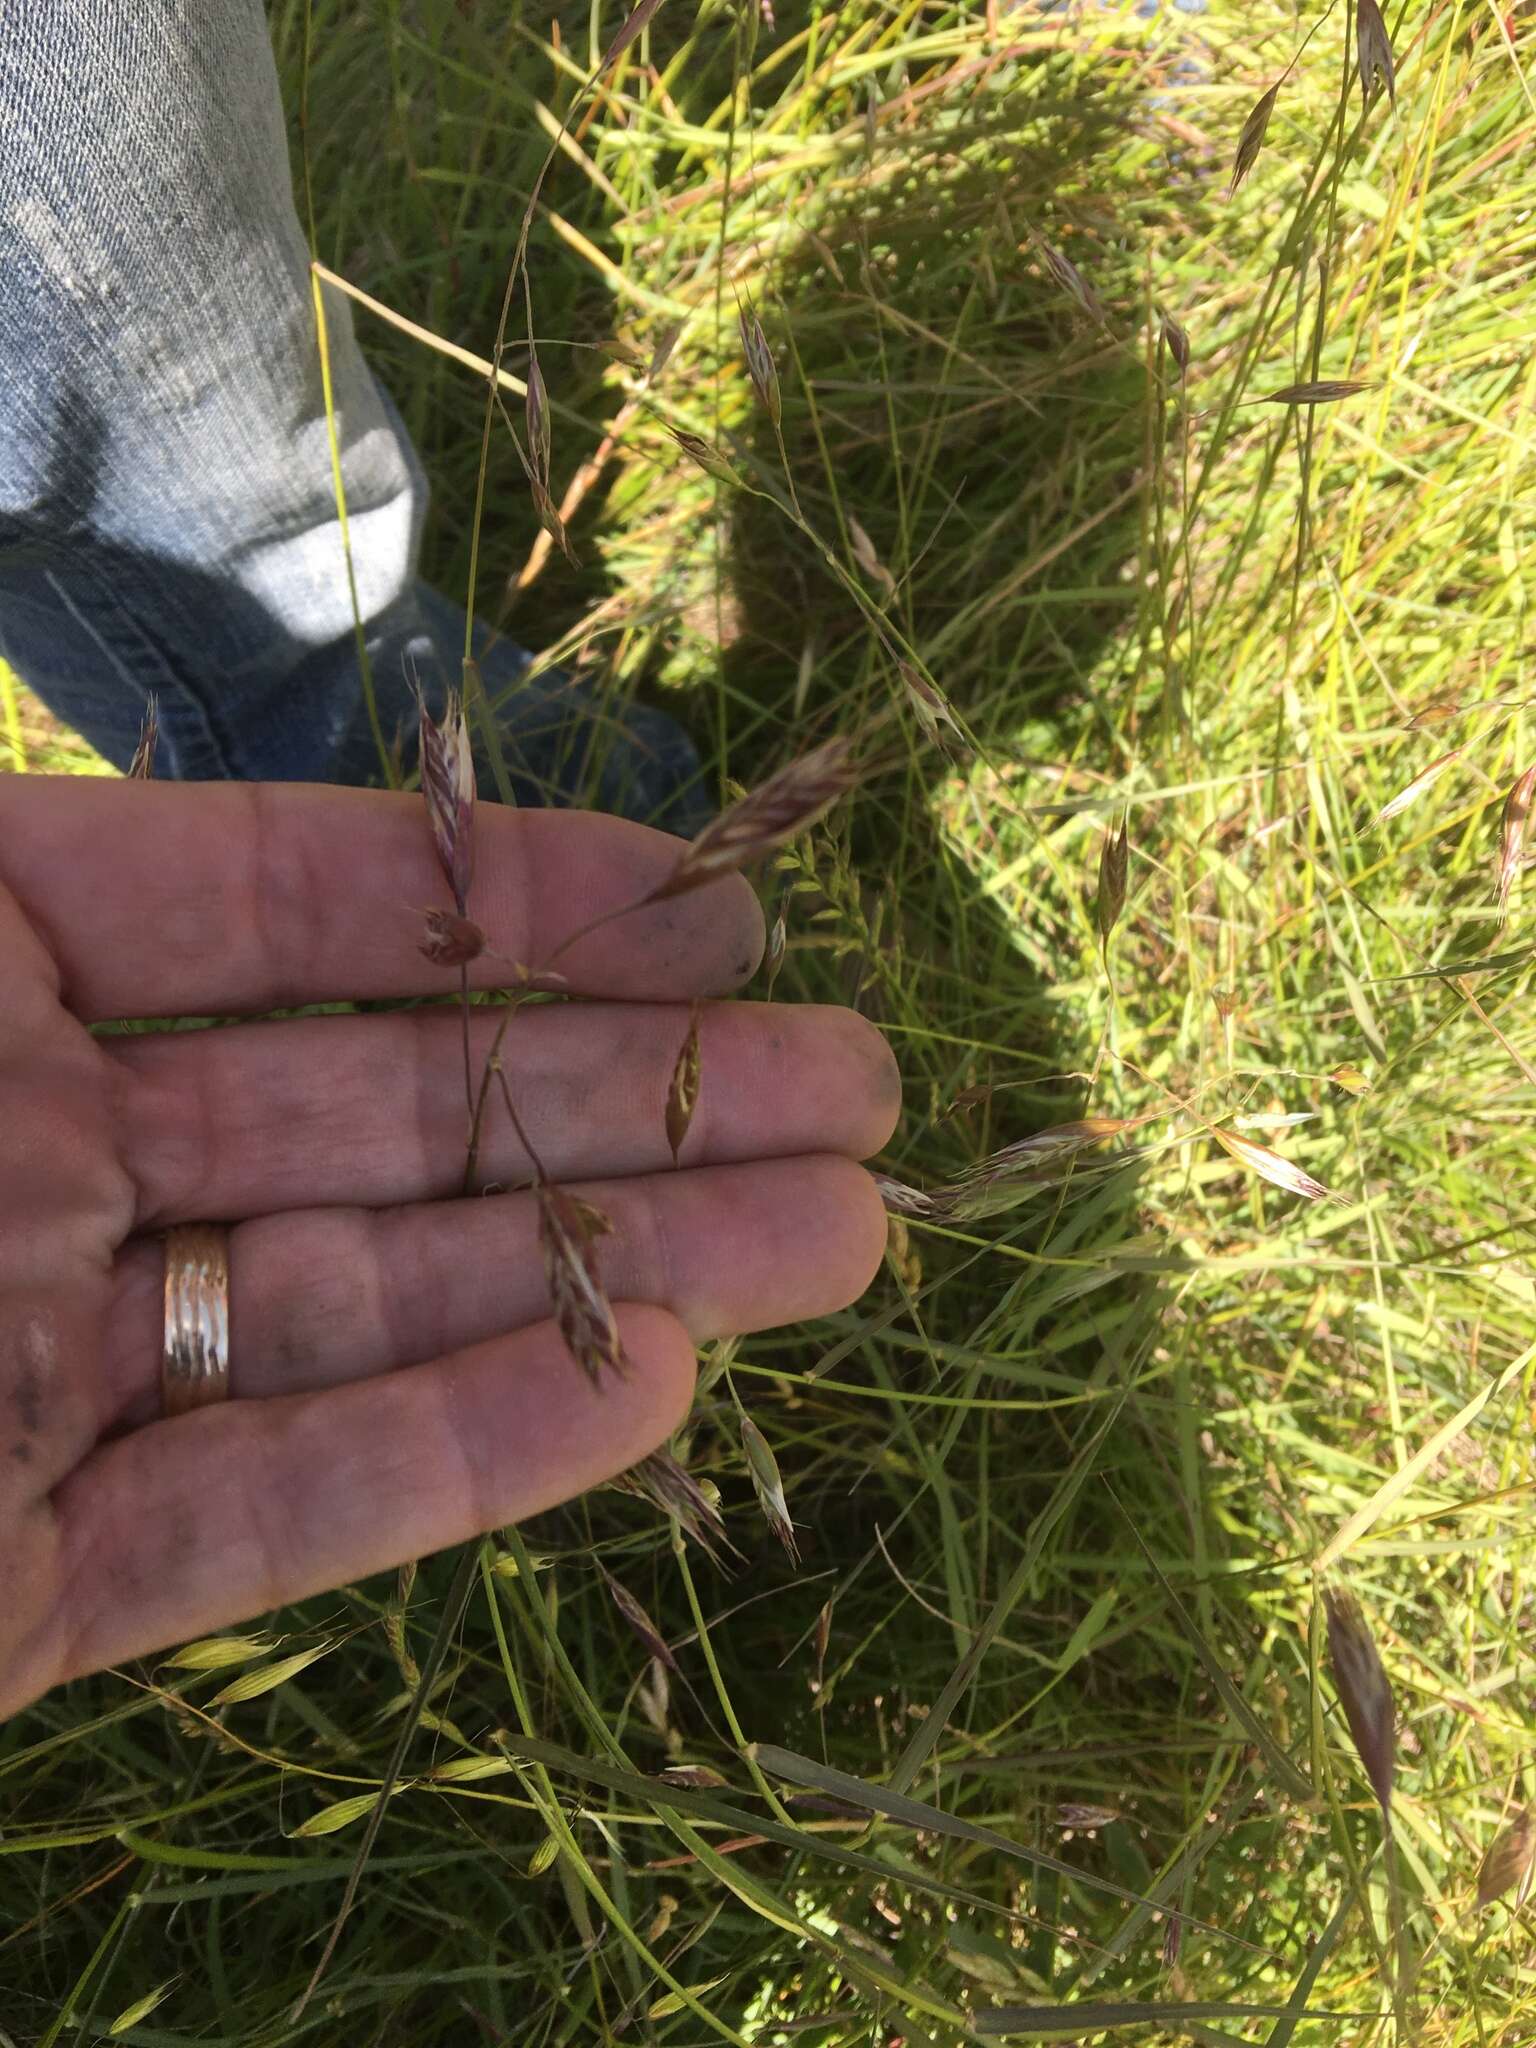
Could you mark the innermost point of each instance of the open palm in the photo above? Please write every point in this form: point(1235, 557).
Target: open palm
point(396, 1382)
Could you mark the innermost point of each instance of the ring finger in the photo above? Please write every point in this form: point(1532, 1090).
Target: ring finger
point(318, 1297)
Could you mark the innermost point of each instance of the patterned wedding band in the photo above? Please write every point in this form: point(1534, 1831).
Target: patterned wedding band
point(194, 1364)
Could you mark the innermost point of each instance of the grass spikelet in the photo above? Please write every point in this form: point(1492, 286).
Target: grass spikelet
point(683, 1089)
point(1438, 713)
point(778, 946)
point(1251, 141)
point(1373, 50)
point(1364, 1692)
point(1114, 866)
point(1517, 810)
point(671, 1487)
point(1322, 391)
point(1415, 789)
point(632, 26)
point(1175, 339)
point(1279, 1171)
point(451, 940)
point(901, 1200)
point(765, 819)
point(448, 785)
point(768, 1486)
point(932, 712)
point(1350, 1079)
point(761, 367)
point(868, 559)
point(549, 518)
point(650, 1637)
point(1072, 281)
point(568, 1231)
point(705, 454)
point(1510, 1863)
point(536, 414)
point(142, 767)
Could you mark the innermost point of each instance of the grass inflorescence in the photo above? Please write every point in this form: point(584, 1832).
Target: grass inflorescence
point(1116, 437)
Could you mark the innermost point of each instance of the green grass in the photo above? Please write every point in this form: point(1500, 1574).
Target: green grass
point(1064, 1479)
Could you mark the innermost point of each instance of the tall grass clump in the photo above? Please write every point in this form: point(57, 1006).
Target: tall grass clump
point(1121, 430)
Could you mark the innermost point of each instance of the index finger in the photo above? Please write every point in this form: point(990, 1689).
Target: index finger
point(177, 899)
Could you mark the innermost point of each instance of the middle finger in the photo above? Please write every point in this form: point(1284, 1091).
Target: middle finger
point(321, 1111)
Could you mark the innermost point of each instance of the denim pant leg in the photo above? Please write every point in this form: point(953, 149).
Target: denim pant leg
point(168, 518)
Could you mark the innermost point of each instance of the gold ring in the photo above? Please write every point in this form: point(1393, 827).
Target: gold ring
point(194, 1362)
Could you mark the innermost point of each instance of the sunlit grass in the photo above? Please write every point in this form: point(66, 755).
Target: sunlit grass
point(1063, 1482)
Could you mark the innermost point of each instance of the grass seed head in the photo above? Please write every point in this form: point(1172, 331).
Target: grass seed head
point(549, 518)
point(568, 1230)
point(683, 1089)
point(1279, 1171)
point(1070, 278)
point(693, 1777)
point(536, 412)
point(1176, 341)
point(1373, 49)
point(705, 454)
point(651, 1639)
point(932, 711)
point(448, 785)
point(1114, 866)
point(768, 1486)
point(778, 943)
point(1510, 1863)
point(1322, 391)
point(142, 767)
point(1517, 810)
point(451, 940)
point(766, 818)
point(1415, 789)
point(901, 1200)
point(1363, 1691)
point(1251, 141)
point(672, 1488)
point(761, 367)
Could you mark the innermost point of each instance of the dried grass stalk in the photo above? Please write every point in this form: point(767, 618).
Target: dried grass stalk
point(1363, 1690)
point(568, 1231)
point(765, 819)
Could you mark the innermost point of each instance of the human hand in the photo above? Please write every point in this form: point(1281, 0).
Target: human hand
point(396, 1383)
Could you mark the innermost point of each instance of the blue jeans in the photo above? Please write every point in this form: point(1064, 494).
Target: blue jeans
point(168, 519)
